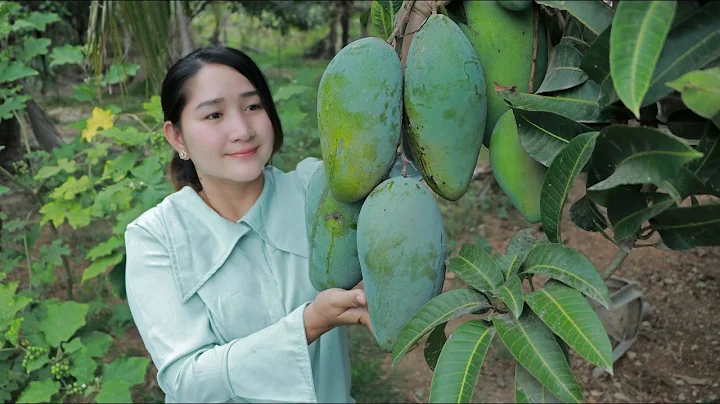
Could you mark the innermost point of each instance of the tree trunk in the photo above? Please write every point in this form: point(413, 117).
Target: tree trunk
point(47, 136)
point(186, 42)
point(330, 50)
point(345, 21)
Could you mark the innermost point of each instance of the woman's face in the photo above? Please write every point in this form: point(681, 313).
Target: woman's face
point(226, 131)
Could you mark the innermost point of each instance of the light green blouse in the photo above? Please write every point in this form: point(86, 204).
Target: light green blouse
point(219, 304)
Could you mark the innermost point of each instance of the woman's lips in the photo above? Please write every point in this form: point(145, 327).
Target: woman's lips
point(246, 153)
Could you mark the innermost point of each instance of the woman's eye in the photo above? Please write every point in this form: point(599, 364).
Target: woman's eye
point(213, 116)
point(254, 107)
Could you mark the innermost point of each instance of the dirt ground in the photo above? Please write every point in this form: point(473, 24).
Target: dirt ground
point(676, 357)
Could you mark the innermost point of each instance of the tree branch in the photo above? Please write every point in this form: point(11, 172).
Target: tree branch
point(401, 23)
point(616, 262)
point(533, 67)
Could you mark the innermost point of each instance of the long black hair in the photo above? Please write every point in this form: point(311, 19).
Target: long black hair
point(173, 99)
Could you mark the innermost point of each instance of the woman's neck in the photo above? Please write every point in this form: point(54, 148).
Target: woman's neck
point(232, 200)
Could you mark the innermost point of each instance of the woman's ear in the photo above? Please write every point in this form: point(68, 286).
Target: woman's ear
point(174, 137)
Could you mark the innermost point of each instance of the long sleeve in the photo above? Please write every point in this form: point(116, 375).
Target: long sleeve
point(270, 365)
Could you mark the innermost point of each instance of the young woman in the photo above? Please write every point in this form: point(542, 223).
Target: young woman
point(217, 273)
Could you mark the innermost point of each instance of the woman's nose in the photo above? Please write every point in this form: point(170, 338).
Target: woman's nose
point(239, 129)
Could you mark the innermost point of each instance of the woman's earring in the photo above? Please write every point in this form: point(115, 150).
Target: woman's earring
point(182, 154)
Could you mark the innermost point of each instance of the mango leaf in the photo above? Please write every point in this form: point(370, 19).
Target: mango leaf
point(594, 14)
point(434, 345)
point(577, 35)
point(628, 210)
point(578, 103)
point(15, 71)
point(62, 320)
point(32, 47)
point(100, 266)
point(569, 315)
point(534, 346)
point(563, 70)
point(688, 227)
point(700, 91)
point(528, 390)
point(66, 54)
point(114, 391)
point(560, 178)
point(596, 63)
point(519, 247)
point(569, 267)
point(460, 361)
point(636, 41)
point(382, 19)
point(511, 294)
point(585, 214)
point(544, 134)
point(443, 307)
point(639, 155)
point(475, 266)
point(709, 165)
point(39, 391)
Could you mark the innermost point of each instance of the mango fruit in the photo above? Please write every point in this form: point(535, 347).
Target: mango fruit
point(519, 175)
point(402, 246)
point(503, 42)
point(445, 104)
point(331, 228)
point(359, 111)
point(515, 5)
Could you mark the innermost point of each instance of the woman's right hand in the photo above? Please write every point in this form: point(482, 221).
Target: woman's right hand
point(335, 307)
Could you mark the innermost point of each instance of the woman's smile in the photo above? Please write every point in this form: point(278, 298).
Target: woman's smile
point(245, 153)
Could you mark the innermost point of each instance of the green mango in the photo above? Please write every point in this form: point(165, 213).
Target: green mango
point(503, 41)
point(359, 110)
point(516, 5)
point(446, 106)
point(332, 236)
point(518, 174)
point(402, 246)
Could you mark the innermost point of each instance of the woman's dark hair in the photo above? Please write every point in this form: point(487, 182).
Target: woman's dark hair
point(174, 98)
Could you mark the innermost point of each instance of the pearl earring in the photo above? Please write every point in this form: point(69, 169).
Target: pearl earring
point(183, 155)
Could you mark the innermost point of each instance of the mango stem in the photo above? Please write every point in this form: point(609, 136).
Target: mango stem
point(401, 22)
point(533, 66)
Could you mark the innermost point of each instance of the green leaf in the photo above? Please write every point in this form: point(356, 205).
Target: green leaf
point(289, 91)
point(628, 210)
point(71, 187)
point(596, 63)
point(528, 390)
point(150, 171)
point(10, 304)
point(434, 345)
point(97, 343)
point(129, 370)
point(364, 17)
point(475, 266)
point(569, 315)
point(32, 47)
point(83, 366)
point(47, 172)
point(544, 134)
point(40, 20)
point(563, 70)
point(511, 294)
point(578, 103)
point(709, 165)
point(17, 70)
point(569, 267)
point(105, 248)
point(639, 155)
point(66, 54)
point(443, 307)
point(114, 391)
point(119, 72)
point(39, 391)
point(560, 178)
point(62, 320)
point(118, 168)
point(4, 189)
point(382, 19)
point(700, 91)
point(460, 361)
point(595, 14)
point(37, 363)
point(154, 108)
point(129, 136)
point(636, 41)
point(534, 346)
point(688, 227)
point(519, 247)
point(114, 198)
point(100, 266)
point(585, 214)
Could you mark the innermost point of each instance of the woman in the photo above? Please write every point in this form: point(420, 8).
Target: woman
point(217, 274)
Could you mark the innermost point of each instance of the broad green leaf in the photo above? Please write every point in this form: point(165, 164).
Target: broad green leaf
point(534, 346)
point(639, 155)
point(575, 35)
point(129, 136)
point(154, 108)
point(15, 71)
point(569, 267)
point(364, 17)
point(66, 54)
point(475, 266)
point(382, 20)
point(289, 91)
point(688, 227)
point(39, 391)
point(129, 370)
point(97, 343)
point(119, 72)
point(596, 61)
point(16, 103)
point(150, 171)
point(105, 248)
point(62, 320)
point(563, 69)
point(74, 345)
point(40, 20)
point(434, 345)
point(511, 294)
point(585, 214)
point(37, 363)
point(569, 315)
point(628, 210)
point(114, 391)
point(700, 91)
point(4, 189)
point(100, 266)
point(530, 391)
point(594, 14)
point(71, 187)
point(49, 171)
point(391, 5)
point(520, 245)
point(118, 168)
point(445, 306)
point(709, 165)
point(10, 304)
point(544, 134)
point(32, 47)
point(113, 198)
point(636, 41)
point(83, 366)
point(560, 178)
point(578, 103)
point(460, 361)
